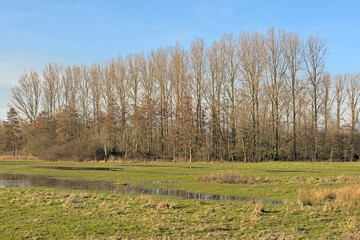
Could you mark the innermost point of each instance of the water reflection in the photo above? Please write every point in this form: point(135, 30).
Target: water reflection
point(162, 166)
point(18, 180)
point(81, 168)
point(290, 171)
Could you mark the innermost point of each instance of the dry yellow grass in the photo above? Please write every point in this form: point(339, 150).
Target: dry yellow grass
point(351, 235)
point(10, 157)
point(334, 199)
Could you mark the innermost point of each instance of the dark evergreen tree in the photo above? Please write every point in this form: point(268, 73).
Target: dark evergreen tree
point(12, 138)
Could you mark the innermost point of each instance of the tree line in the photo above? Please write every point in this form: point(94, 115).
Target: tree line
point(251, 97)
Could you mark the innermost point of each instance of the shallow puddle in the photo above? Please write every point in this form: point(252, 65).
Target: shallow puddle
point(161, 166)
point(81, 168)
point(291, 171)
point(162, 182)
point(19, 180)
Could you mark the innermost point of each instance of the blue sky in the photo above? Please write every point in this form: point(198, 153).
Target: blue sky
point(35, 32)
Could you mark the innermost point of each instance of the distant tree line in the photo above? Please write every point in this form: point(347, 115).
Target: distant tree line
point(254, 97)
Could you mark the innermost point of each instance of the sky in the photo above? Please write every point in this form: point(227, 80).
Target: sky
point(36, 32)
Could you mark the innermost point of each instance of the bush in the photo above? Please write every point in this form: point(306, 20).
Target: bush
point(79, 150)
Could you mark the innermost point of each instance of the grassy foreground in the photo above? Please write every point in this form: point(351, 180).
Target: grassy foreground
point(48, 213)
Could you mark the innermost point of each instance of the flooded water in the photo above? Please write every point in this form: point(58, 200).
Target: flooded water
point(81, 168)
point(161, 166)
point(102, 169)
point(290, 171)
point(19, 180)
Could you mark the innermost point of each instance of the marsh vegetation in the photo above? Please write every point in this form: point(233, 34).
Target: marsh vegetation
point(274, 200)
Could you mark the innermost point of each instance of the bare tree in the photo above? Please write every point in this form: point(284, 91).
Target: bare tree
point(81, 75)
point(276, 69)
point(294, 58)
point(198, 67)
point(108, 87)
point(122, 96)
point(178, 72)
point(148, 104)
point(51, 88)
point(340, 96)
point(25, 97)
point(69, 87)
point(96, 80)
point(252, 65)
point(328, 101)
point(214, 87)
point(353, 93)
point(160, 59)
point(231, 72)
point(255, 98)
point(133, 62)
point(315, 52)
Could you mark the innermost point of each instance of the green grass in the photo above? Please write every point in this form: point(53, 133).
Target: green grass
point(48, 213)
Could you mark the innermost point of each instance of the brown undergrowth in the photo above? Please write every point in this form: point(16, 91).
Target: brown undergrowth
point(233, 178)
point(19, 157)
point(334, 199)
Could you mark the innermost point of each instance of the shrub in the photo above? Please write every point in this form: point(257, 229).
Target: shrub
point(79, 150)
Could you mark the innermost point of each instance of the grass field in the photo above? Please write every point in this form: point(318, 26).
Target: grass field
point(317, 201)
